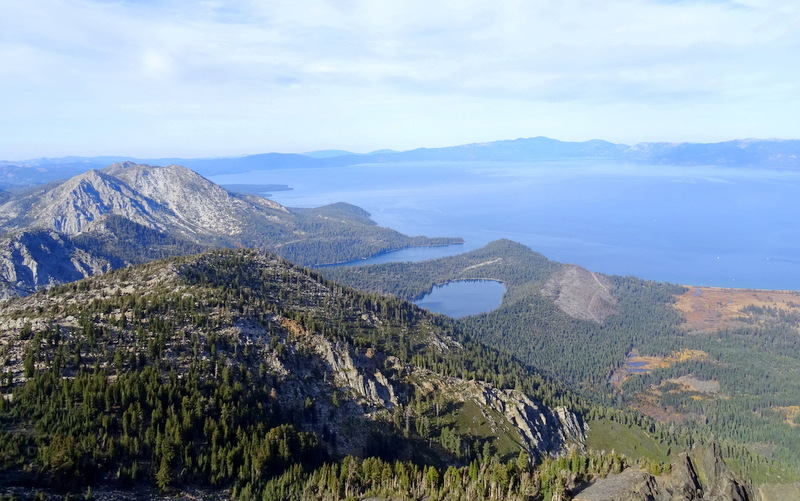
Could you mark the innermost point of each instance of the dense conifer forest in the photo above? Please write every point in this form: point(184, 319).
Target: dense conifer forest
point(205, 371)
point(236, 372)
point(751, 367)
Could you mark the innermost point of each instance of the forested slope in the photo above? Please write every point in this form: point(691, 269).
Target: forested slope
point(739, 382)
point(531, 322)
point(236, 370)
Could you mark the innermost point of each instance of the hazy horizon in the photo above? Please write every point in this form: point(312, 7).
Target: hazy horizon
point(218, 79)
point(340, 151)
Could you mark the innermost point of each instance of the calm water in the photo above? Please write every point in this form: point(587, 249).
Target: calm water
point(464, 297)
point(729, 227)
point(411, 254)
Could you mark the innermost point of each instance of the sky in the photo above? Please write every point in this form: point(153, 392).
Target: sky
point(180, 78)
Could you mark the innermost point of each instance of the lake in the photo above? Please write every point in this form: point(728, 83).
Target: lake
point(411, 254)
point(464, 297)
point(708, 225)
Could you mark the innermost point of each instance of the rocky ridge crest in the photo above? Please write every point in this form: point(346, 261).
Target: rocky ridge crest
point(172, 208)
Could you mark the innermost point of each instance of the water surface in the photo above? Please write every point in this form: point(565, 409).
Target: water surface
point(464, 297)
point(720, 226)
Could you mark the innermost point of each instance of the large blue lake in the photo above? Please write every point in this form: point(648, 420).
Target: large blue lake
point(721, 226)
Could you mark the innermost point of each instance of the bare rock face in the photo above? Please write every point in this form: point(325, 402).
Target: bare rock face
point(363, 377)
point(162, 212)
point(371, 378)
point(32, 260)
point(722, 484)
point(682, 484)
point(71, 206)
point(171, 198)
point(542, 429)
point(632, 484)
point(194, 204)
point(581, 294)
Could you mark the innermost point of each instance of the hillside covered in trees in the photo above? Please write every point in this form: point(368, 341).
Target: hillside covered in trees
point(235, 370)
point(623, 342)
point(237, 374)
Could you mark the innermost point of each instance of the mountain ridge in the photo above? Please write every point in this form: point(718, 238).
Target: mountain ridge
point(218, 351)
point(769, 153)
point(721, 364)
point(174, 208)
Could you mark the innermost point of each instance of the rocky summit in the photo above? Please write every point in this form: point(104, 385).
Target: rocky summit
point(131, 213)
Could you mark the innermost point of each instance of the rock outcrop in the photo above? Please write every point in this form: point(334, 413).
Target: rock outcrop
point(700, 474)
point(543, 430)
point(380, 383)
point(32, 260)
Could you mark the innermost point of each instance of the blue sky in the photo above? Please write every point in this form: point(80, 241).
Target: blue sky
point(216, 78)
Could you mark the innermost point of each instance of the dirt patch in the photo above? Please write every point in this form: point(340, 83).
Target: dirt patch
point(789, 413)
point(293, 326)
point(689, 383)
point(581, 294)
point(485, 263)
point(709, 308)
point(651, 406)
point(637, 364)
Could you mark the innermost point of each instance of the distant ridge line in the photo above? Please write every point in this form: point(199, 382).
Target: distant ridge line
point(769, 153)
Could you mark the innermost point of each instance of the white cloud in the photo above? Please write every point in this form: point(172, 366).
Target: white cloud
point(215, 77)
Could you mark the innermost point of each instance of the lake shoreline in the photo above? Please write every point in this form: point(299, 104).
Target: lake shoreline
point(387, 253)
point(712, 226)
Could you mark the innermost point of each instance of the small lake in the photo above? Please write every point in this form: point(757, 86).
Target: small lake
point(464, 297)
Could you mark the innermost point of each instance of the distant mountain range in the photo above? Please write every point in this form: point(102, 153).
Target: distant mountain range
point(131, 213)
point(772, 153)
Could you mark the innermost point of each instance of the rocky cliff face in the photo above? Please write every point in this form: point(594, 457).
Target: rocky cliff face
point(36, 259)
point(698, 475)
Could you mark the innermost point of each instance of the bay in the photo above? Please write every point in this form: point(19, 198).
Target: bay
point(699, 225)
